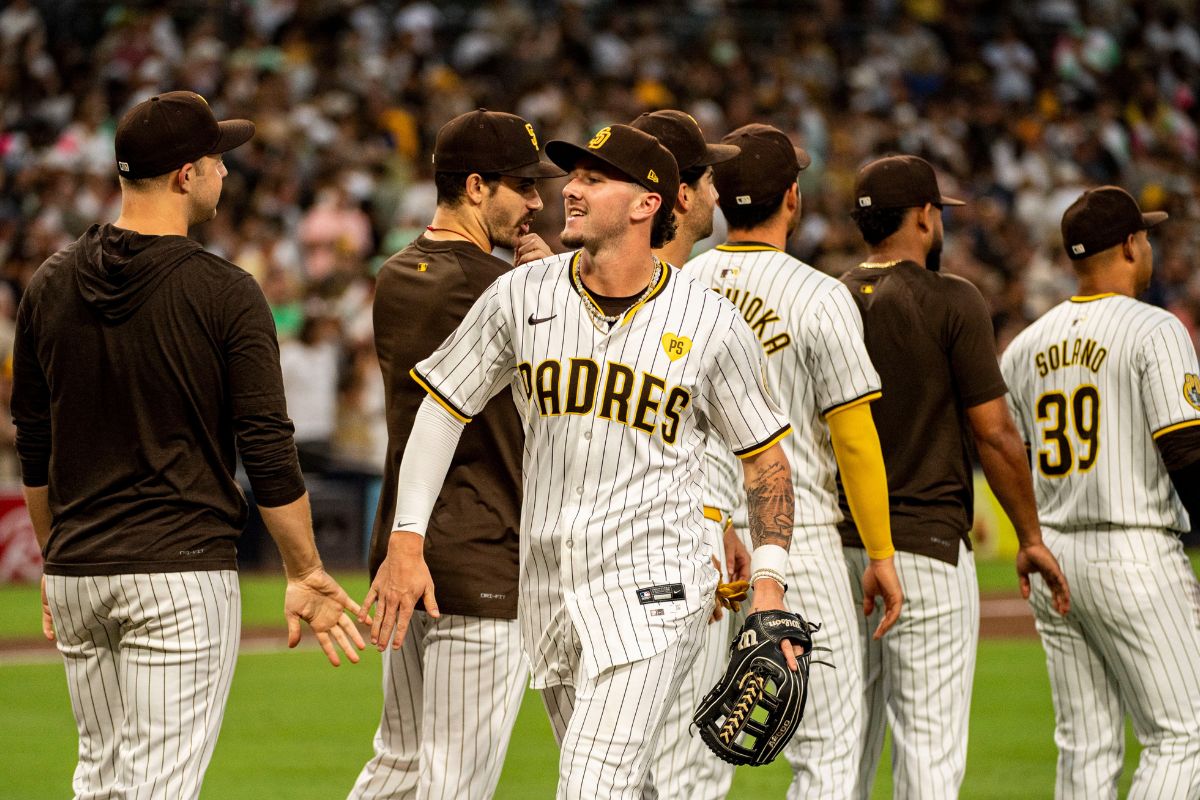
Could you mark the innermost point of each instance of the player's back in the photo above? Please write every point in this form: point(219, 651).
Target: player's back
point(1089, 392)
point(811, 333)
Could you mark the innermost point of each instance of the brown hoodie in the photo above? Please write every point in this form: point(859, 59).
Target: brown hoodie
point(139, 362)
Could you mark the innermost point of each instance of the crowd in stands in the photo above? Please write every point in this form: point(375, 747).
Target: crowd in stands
point(1021, 104)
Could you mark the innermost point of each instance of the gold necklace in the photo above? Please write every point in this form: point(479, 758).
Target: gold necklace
point(597, 314)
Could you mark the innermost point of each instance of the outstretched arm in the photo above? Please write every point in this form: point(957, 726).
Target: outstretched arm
point(311, 595)
point(1002, 454)
point(403, 577)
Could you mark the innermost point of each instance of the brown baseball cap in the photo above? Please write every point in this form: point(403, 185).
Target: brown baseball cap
point(636, 154)
point(681, 135)
point(491, 141)
point(1102, 218)
point(169, 130)
point(899, 182)
point(764, 169)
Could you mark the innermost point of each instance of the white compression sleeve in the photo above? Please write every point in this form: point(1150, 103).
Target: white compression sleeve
point(431, 446)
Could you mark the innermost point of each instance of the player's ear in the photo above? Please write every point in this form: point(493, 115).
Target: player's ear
point(925, 218)
point(791, 198)
point(683, 200)
point(475, 188)
point(1128, 248)
point(645, 206)
point(182, 180)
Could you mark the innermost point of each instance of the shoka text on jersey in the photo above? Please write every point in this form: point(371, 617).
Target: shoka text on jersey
point(1068, 353)
point(621, 395)
point(758, 317)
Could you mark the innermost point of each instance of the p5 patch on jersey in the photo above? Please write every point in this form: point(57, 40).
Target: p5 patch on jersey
point(666, 593)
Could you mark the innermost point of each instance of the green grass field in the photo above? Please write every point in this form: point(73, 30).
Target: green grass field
point(296, 728)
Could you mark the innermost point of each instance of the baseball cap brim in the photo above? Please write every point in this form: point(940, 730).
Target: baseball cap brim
point(950, 201)
point(1152, 218)
point(803, 159)
point(567, 155)
point(234, 133)
point(717, 154)
point(536, 169)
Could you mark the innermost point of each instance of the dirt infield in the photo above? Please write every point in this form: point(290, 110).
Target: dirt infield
point(1001, 616)
point(1005, 616)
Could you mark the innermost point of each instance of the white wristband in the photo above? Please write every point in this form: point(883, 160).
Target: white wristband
point(770, 557)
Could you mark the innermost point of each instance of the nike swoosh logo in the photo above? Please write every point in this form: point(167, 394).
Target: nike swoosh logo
point(539, 320)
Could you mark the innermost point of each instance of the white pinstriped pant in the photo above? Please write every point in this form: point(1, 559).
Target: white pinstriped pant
point(683, 766)
point(825, 751)
point(607, 727)
point(446, 737)
point(149, 660)
point(1130, 644)
point(918, 678)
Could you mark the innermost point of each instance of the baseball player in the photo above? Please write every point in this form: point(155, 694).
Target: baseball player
point(817, 365)
point(446, 738)
point(1106, 392)
point(141, 362)
point(619, 367)
point(930, 337)
point(683, 766)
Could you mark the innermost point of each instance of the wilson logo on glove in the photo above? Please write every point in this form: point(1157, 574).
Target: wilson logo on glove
point(754, 709)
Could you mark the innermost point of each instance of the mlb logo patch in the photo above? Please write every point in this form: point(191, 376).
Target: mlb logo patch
point(743, 199)
point(864, 201)
point(123, 166)
point(1078, 249)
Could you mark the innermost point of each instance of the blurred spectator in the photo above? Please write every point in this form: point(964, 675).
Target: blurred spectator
point(1019, 104)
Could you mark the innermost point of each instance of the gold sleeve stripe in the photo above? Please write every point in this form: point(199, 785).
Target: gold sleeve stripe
point(758, 448)
point(866, 398)
point(443, 402)
point(713, 513)
point(1178, 426)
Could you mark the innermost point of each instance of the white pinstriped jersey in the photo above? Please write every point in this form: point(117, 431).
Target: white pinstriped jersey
point(812, 334)
point(1091, 384)
point(615, 422)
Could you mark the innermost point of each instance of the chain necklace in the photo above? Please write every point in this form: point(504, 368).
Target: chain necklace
point(880, 264)
point(594, 311)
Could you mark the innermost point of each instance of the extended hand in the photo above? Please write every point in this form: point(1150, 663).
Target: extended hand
point(402, 580)
point(1038, 558)
point(880, 578)
point(317, 599)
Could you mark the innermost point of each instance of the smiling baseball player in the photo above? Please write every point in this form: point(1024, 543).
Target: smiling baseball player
point(620, 368)
point(1106, 392)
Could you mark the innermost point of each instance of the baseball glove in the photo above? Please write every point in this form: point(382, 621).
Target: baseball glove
point(757, 705)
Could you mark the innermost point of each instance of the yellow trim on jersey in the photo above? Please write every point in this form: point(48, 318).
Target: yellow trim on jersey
point(866, 398)
point(767, 445)
point(443, 402)
point(655, 292)
point(1178, 426)
point(714, 514)
point(1087, 298)
point(860, 461)
point(746, 248)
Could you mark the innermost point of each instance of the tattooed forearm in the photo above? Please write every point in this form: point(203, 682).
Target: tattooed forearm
point(770, 500)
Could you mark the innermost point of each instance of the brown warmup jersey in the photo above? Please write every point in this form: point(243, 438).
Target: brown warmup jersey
point(423, 293)
point(930, 337)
